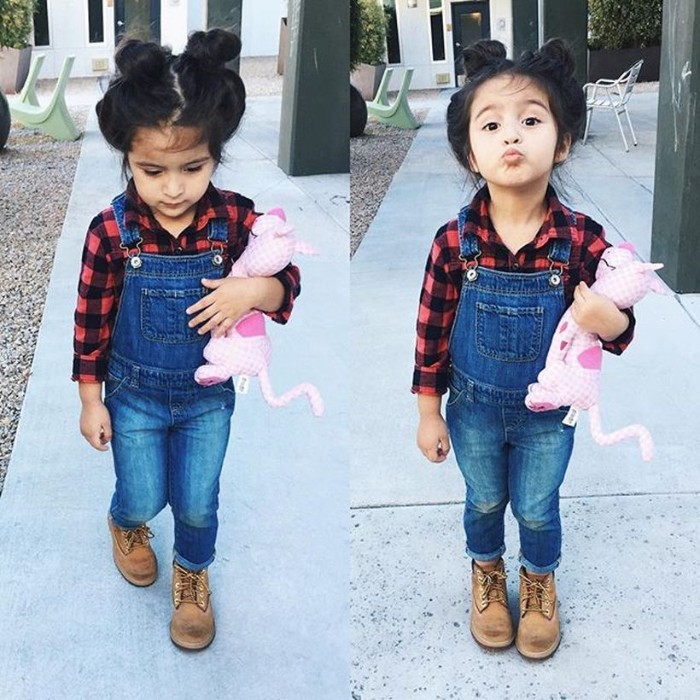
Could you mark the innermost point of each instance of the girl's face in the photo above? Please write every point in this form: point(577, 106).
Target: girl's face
point(513, 133)
point(171, 172)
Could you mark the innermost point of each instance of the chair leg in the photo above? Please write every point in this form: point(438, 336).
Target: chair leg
point(589, 114)
point(619, 123)
point(629, 121)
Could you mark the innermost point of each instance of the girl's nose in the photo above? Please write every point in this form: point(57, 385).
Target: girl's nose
point(511, 133)
point(173, 186)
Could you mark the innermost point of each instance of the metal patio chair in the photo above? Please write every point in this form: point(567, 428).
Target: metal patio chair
point(613, 95)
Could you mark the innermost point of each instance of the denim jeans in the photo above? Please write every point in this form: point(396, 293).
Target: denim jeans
point(509, 453)
point(168, 447)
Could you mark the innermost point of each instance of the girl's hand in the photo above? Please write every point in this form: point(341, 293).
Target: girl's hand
point(432, 439)
point(96, 425)
point(231, 299)
point(595, 313)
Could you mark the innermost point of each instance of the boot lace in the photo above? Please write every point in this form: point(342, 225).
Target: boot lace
point(137, 537)
point(493, 586)
point(537, 596)
point(191, 587)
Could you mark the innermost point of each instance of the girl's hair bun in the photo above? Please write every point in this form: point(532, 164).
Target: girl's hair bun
point(554, 57)
point(481, 54)
point(211, 50)
point(141, 62)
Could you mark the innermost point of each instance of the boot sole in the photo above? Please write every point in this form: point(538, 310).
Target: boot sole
point(191, 646)
point(539, 654)
point(490, 644)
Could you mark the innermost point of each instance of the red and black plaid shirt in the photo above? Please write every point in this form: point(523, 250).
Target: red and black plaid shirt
point(102, 273)
point(442, 282)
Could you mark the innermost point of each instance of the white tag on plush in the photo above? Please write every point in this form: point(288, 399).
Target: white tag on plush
point(571, 417)
point(242, 384)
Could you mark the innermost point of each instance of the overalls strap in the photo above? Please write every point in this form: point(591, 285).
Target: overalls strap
point(469, 243)
point(560, 250)
point(129, 236)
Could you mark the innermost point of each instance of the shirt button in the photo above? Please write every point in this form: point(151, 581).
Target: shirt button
point(516, 266)
point(178, 249)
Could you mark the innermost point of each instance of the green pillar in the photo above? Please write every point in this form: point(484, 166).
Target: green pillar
point(675, 237)
point(315, 124)
point(525, 26)
point(227, 15)
point(568, 20)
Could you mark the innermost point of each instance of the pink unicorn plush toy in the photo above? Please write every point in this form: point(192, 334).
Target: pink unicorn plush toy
point(571, 376)
point(245, 348)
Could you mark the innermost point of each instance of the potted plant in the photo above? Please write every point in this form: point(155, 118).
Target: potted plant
point(15, 50)
point(620, 33)
point(367, 61)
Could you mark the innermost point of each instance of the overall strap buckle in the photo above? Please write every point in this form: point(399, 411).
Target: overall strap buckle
point(133, 254)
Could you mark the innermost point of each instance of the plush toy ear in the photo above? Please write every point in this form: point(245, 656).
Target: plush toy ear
point(628, 245)
point(278, 211)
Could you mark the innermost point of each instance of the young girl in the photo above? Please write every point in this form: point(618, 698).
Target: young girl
point(151, 289)
point(497, 280)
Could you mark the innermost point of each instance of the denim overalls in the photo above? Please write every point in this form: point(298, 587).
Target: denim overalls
point(499, 343)
point(169, 433)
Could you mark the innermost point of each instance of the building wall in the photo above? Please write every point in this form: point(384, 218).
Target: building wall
point(68, 32)
point(414, 39)
point(260, 28)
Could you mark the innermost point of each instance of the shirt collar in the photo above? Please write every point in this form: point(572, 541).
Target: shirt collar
point(558, 223)
point(138, 213)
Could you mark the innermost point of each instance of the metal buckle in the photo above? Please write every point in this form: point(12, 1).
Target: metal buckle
point(555, 273)
point(217, 248)
point(133, 254)
point(470, 271)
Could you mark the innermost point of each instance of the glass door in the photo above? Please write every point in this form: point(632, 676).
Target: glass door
point(470, 22)
point(137, 18)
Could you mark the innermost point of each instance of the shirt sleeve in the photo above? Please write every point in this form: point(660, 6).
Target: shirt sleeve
point(589, 265)
point(436, 312)
point(95, 308)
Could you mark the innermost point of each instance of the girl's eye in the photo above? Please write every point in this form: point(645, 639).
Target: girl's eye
point(152, 173)
point(531, 121)
point(194, 168)
point(491, 126)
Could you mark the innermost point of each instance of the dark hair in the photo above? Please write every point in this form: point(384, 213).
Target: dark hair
point(551, 68)
point(153, 88)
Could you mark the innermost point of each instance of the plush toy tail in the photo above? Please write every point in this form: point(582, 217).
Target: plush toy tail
point(300, 389)
point(646, 444)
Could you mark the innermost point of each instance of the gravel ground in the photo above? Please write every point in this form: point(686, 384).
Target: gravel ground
point(37, 170)
point(374, 159)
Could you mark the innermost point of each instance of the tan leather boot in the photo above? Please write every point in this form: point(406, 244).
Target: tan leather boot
point(490, 623)
point(538, 631)
point(133, 555)
point(192, 624)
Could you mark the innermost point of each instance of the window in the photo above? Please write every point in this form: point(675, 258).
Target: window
point(96, 30)
point(41, 24)
point(393, 49)
point(437, 33)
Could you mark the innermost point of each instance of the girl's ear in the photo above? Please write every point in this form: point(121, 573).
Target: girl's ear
point(562, 152)
point(472, 163)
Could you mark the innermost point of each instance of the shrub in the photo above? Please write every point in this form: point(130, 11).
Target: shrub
point(15, 23)
point(367, 33)
point(624, 24)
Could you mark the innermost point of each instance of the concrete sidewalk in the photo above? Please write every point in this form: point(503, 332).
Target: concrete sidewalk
point(71, 626)
point(629, 606)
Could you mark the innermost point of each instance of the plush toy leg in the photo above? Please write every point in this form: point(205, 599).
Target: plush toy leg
point(206, 375)
point(310, 390)
point(646, 444)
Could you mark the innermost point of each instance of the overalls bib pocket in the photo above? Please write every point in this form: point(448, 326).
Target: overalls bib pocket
point(509, 333)
point(164, 318)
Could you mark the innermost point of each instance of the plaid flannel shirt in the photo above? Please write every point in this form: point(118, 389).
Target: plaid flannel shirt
point(442, 282)
point(102, 272)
